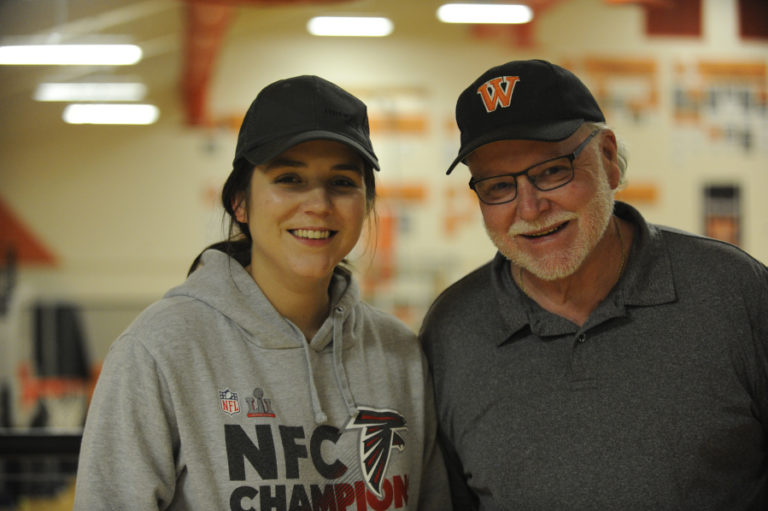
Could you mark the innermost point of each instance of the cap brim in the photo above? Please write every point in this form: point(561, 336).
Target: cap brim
point(549, 132)
point(266, 152)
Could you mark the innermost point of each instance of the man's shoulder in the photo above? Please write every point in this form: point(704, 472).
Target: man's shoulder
point(712, 262)
point(472, 292)
point(697, 248)
point(476, 282)
point(687, 250)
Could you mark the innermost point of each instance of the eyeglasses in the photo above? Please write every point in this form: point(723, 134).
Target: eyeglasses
point(544, 176)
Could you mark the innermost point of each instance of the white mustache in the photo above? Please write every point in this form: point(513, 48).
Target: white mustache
point(524, 227)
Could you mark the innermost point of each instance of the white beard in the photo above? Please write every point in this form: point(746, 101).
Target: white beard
point(592, 223)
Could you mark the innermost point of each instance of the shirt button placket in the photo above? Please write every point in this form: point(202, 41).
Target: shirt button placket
point(581, 377)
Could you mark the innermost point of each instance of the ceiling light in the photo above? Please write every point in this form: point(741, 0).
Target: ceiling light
point(70, 54)
point(484, 13)
point(95, 91)
point(95, 113)
point(350, 26)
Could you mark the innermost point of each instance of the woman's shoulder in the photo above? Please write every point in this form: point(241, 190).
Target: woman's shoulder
point(170, 321)
point(172, 310)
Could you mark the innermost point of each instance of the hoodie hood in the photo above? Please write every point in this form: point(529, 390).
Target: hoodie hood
point(224, 285)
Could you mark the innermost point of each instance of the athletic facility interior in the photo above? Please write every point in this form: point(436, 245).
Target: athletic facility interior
point(99, 218)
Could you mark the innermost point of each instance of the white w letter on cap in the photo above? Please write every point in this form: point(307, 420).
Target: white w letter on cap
point(494, 95)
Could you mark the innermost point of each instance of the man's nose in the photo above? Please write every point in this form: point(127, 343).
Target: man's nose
point(530, 202)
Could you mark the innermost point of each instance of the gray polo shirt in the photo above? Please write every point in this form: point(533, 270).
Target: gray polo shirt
point(659, 401)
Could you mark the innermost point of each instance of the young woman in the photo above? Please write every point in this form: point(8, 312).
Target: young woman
point(264, 382)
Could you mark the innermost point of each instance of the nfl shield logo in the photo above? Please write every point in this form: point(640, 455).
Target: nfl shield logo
point(229, 402)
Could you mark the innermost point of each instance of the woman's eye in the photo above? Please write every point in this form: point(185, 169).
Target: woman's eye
point(344, 182)
point(287, 179)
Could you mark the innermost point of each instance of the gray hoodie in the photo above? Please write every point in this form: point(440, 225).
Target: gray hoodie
point(211, 400)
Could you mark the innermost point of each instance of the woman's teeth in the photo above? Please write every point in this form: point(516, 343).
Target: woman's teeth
point(311, 234)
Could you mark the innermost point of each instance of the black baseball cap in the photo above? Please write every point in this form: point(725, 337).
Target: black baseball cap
point(522, 99)
point(294, 110)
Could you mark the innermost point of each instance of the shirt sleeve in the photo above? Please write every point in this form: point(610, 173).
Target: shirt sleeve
point(759, 320)
point(462, 498)
point(130, 437)
point(435, 492)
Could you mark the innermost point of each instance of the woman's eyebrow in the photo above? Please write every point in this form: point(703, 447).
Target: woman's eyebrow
point(349, 166)
point(283, 162)
point(280, 162)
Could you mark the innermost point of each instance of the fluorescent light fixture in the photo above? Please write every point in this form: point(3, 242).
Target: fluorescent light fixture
point(484, 13)
point(95, 91)
point(98, 113)
point(70, 54)
point(350, 26)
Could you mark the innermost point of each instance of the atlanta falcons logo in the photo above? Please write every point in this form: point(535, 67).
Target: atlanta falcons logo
point(377, 438)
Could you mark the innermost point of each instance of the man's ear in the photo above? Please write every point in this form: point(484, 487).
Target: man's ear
point(609, 152)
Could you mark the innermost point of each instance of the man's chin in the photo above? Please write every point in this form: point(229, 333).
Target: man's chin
point(549, 270)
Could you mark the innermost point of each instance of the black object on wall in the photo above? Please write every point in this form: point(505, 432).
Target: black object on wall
point(60, 348)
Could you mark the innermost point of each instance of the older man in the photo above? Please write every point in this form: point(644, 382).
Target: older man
point(598, 362)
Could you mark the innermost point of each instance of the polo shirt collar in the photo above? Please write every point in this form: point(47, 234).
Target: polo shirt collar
point(647, 280)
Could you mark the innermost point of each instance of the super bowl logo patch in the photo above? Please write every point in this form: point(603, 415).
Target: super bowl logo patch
point(229, 402)
point(258, 405)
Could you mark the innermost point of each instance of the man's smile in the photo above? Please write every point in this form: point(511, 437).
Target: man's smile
point(545, 232)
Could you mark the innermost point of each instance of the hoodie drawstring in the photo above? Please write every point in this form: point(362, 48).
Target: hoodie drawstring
point(320, 416)
point(338, 365)
point(342, 383)
point(317, 409)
